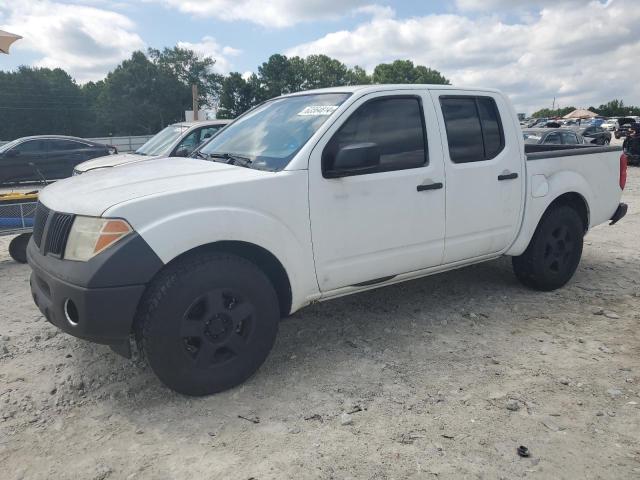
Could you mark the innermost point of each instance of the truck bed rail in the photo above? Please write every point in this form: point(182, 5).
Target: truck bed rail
point(538, 152)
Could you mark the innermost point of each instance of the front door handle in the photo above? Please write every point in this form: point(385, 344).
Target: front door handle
point(430, 186)
point(508, 176)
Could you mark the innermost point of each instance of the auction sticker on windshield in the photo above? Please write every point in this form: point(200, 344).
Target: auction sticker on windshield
point(314, 110)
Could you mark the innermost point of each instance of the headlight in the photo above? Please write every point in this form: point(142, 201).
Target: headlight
point(90, 235)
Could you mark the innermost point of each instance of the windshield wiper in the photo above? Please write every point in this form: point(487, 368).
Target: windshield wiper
point(201, 155)
point(232, 159)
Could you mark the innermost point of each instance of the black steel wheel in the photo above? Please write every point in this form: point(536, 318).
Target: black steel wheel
point(554, 252)
point(216, 327)
point(208, 322)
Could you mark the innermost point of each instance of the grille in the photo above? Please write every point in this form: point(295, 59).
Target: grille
point(58, 233)
point(40, 220)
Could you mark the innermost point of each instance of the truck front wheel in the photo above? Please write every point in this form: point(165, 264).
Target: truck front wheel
point(208, 322)
point(18, 247)
point(554, 253)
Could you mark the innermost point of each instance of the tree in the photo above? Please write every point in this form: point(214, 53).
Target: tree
point(616, 108)
point(239, 95)
point(321, 71)
point(403, 71)
point(38, 100)
point(548, 113)
point(190, 69)
point(358, 76)
point(140, 98)
point(280, 75)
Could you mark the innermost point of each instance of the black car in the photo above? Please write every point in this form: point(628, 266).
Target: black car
point(623, 127)
point(551, 136)
point(46, 157)
point(593, 134)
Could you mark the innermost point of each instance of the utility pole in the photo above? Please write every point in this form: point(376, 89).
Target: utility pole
point(194, 94)
point(553, 107)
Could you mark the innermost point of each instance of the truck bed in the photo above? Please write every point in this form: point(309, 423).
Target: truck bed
point(539, 152)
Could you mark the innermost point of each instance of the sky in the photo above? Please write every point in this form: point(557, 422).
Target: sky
point(581, 52)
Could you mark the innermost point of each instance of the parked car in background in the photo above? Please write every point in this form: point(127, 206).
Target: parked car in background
point(551, 136)
point(308, 197)
point(538, 122)
point(46, 157)
point(177, 140)
point(623, 126)
point(596, 135)
point(610, 124)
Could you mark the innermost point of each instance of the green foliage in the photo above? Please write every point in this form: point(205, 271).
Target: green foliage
point(281, 75)
point(616, 108)
point(33, 100)
point(239, 95)
point(548, 113)
point(190, 69)
point(140, 97)
point(146, 92)
point(404, 71)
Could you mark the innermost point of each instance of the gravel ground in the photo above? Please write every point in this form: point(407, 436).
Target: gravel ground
point(442, 377)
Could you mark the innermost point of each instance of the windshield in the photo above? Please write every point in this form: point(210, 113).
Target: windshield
point(271, 134)
point(159, 143)
point(9, 145)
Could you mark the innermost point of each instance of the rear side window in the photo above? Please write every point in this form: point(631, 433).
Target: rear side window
point(569, 138)
point(474, 128)
point(553, 139)
point(65, 145)
point(395, 124)
point(31, 146)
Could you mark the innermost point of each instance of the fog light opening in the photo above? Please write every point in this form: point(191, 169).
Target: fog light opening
point(71, 312)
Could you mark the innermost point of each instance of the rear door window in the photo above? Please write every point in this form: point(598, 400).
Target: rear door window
point(31, 146)
point(553, 139)
point(491, 127)
point(474, 128)
point(65, 145)
point(569, 138)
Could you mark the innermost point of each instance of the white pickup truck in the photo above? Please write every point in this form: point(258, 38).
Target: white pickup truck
point(308, 197)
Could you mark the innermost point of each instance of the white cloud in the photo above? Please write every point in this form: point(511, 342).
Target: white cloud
point(583, 56)
point(85, 41)
point(274, 13)
point(209, 47)
point(493, 5)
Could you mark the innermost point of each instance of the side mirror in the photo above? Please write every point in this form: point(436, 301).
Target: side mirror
point(355, 159)
point(182, 152)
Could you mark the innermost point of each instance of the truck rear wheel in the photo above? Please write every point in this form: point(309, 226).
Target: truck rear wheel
point(554, 252)
point(208, 322)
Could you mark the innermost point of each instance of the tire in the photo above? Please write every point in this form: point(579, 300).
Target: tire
point(554, 252)
point(18, 247)
point(207, 322)
point(606, 142)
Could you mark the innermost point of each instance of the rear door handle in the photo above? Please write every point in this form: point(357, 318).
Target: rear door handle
point(508, 176)
point(430, 186)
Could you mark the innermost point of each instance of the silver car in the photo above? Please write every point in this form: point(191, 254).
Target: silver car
point(177, 140)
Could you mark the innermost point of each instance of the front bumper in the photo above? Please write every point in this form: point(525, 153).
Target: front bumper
point(94, 300)
point(620, 212)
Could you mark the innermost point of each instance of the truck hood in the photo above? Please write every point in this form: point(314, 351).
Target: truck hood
point(112, 161)
point(95, 191)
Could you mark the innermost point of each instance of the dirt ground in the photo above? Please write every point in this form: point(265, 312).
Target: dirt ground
point(442, 377)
